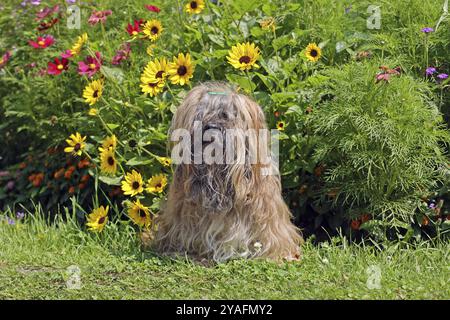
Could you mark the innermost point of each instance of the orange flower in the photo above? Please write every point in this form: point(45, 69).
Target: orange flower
point(85, 178)
point(365, 217)
point(22, 165)
point(81, 186)
point(425, 221)
point(72, 190)
point(355, 224)
point(83, 163)
point(58, 174)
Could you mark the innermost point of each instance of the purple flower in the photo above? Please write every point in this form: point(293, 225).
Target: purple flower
point(11, 222)
point(71, 1)
point(442, 76)
point(430, 71)
point(427, 30)
point(99, 16)
point(10, 185)
point(20, 215)
point(90, 65)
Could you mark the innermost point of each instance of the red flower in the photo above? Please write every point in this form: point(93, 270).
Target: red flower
point(58, 66)
point(4, 59)
point(134, 29)
point(47, 25)
point(90, 65)
point(355, 224)
point(42, 42)
point(152, 8)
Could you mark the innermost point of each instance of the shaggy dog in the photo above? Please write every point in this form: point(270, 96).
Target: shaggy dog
point(221, 211)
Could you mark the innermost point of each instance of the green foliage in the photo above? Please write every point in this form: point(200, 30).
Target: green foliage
point(383, 144)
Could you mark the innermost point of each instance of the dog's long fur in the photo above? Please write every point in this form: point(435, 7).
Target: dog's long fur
point(223, 211)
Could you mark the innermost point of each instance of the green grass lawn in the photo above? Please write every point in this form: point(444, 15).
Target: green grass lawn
point(34, 259)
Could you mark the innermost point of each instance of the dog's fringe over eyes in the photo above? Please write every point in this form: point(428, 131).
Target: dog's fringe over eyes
point(224, 211)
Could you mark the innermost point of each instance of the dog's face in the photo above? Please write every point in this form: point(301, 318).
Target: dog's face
point(213, 112)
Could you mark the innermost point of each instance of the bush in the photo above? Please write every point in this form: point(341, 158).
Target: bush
point(382, 144)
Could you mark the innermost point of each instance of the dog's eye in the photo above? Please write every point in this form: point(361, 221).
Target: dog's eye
point(224, 115)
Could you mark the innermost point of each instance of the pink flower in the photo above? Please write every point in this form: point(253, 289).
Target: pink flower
point(42, 42)
point(122, 54)
point(5, 59)
point(67, 54)
point(58, 66)
point(152, 8)
point(99, 16)
point(45, 12)
point(90, 65)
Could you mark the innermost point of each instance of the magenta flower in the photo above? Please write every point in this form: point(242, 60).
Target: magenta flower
point(45, 12)
point(42, 42)
point(57, 66)
point(67, 54)
point(5, 59)
point(99, 16)
point(442, 76)
point(122, 54)
point(90, 65)
point(427, 30)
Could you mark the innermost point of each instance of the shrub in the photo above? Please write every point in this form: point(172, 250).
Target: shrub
point(382, 143)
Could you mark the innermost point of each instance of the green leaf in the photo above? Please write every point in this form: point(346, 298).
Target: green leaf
point(112, 181)
point(242, 81)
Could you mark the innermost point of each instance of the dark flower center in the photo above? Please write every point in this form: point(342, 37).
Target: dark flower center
point(77, 147)
point(101, 220)
point(182, 70)
point(142, 213)
point(95, 94)
point(136, 185)
point(132, 143)
point(111, 161)
point(313, 53)
point(154, 30)
point(158, 185)
point(159, 74)
point(152, 85)
point(244, 59)
point(193, 4)
point(281, 125)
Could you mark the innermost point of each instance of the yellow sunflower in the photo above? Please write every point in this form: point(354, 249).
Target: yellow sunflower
point(153, 77)
point(109, 143)
point(97, 219)
point(133, 184)
point(313, 52)
point(181, 69)
point(152, 29)
point(108, 162)
point(281, 125)
point(93, 92)
point(156, 184)
point(140, 214)
point(76, 144)
point(195, 6)
point(76, 48)
point(243, 56)
point(166, 162)
point(93, 112)
point(150, 49)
